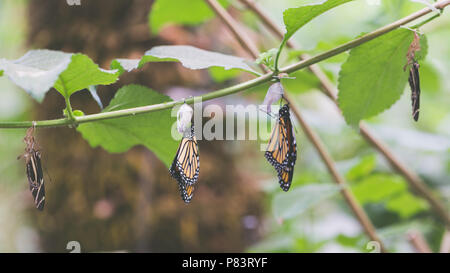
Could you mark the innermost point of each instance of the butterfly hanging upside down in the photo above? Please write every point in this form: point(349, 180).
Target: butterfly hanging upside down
point(186, 165)
point(34, 169)
point(282, 149)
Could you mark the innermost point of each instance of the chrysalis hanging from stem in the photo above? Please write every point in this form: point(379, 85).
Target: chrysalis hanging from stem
point(413, 79)
point(274, 94)
point(414, 83)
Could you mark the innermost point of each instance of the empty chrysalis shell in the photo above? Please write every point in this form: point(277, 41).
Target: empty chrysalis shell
point(184, 117)
point(274, 93)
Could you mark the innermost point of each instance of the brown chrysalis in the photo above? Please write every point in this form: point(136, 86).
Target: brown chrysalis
point(414, 83)
point(34, 169)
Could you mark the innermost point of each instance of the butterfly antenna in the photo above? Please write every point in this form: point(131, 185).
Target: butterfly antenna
point(269, 114)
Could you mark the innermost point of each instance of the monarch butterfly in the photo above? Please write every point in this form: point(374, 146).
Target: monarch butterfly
point(34, 169)
point(414, 83)
point(186, 165)
point(282, 149)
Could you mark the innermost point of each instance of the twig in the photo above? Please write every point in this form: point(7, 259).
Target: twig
point(414, 181)
point(419, 242)
point(327, 87)
point(243, 40)
point(216, 94)
point(331, 166)
point(312, 136)
point(445, 244)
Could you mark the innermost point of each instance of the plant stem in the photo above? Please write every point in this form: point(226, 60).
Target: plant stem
point(418, 242)
point(70, 115)
point(415, 182)
point(312, 136)
point(229, 90)
point(358, 41)
point(140, 110)
point(370, 36)
point(69, 111)
point(426, 21)
point(277, 57)
point(327, 85)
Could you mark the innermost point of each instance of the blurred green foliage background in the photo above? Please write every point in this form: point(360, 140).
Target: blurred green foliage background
point(238, 210)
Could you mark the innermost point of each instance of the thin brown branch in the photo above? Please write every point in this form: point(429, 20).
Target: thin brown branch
point(326, 84)
point(312, 136)
point(228, 20)
point(415, 182)
point(419, 242)
point(338, 178)
point(445, 244)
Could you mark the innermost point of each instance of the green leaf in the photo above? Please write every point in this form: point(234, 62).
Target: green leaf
point(36, 71)
point(378, 187)
point(372, 79)
point(82, 73)
point(183, 12)
point(295, 18)
point(391, 190)
point(195, 58)
point(362, 169)
point(290, 204)
point(422, 53)
point(268, 58)
point(39, 70)
point(321, 47)
point(218, 74)
point(429, 78)
point(153, 130)
point(304, 81)
point(189, 56)
point(123, 65)
point(406, 205)
point(349, 241)
point(77, 113)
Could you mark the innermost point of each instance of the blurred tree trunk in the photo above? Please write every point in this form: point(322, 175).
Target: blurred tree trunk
point(128, 201)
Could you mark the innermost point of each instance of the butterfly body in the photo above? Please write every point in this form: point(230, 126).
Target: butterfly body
point(282, 148)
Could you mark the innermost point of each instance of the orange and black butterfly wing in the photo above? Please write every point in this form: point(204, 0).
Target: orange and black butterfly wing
point(185, 167)
point(173, 168)
point(186, 192)
point(286, 172)
point(276, 149)
point(285, 178)
point(36, 179)
point(282, 150)
point(188, 160)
